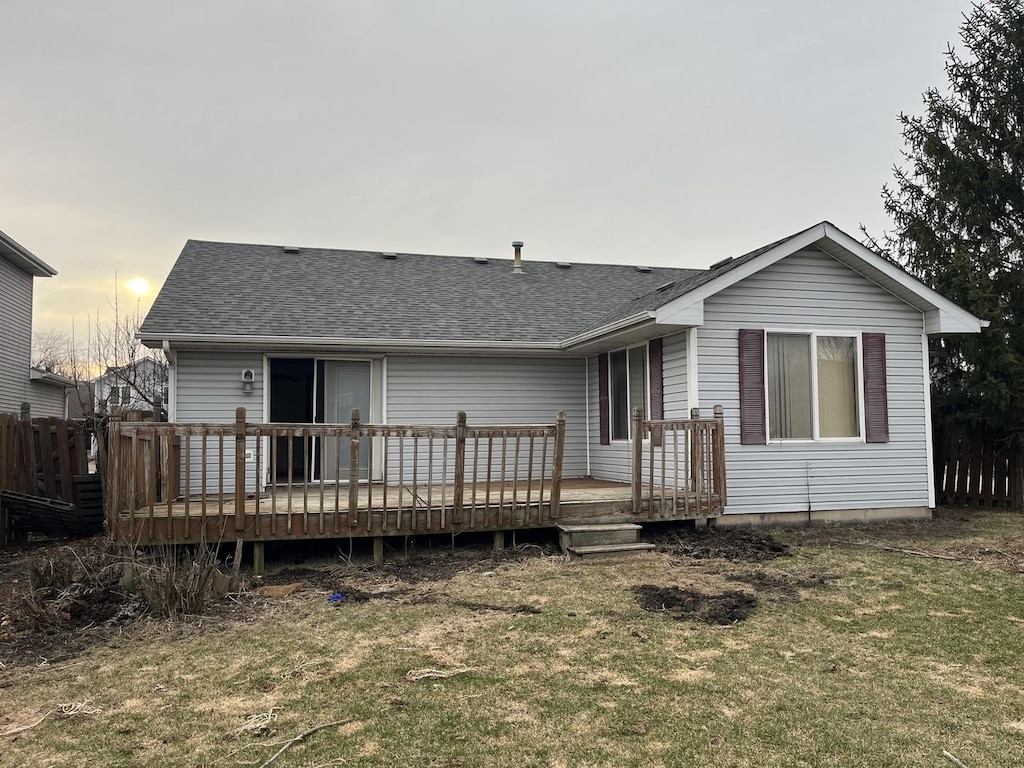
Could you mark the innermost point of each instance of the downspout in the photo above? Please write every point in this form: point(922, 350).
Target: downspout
point(172, 380)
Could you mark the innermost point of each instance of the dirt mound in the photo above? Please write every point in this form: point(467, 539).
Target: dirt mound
point(688, 604)
point(726, 544)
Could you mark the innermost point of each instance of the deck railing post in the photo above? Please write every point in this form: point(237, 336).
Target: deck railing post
point(556, 464)
point(460, 465)
point(695, 451)
point(720, 484)
point(638, 459)
point(113, 435)
point(353, 470)
point(239, 469)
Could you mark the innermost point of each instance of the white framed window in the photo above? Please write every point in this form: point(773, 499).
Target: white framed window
point(627, 388)
point(813, 386)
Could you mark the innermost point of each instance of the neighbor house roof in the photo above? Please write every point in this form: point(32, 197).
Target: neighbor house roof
point(226, 292)
point(24, 259)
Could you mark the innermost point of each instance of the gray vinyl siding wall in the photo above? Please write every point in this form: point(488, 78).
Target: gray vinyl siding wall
point(419, 389)
point(15, 338)
point(208, 390)
point(812, 291)
point(46, 399)
point(424, 389)
point(612, 462)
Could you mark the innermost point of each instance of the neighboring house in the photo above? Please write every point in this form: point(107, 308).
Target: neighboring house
point(816, 347)
point(133, 387)
point(19, 381)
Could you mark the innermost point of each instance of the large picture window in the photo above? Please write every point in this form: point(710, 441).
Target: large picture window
point(627, 374)
point(812, 386)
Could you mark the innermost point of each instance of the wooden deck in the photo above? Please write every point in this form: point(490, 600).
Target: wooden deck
point(189, 483)
point(311, 516)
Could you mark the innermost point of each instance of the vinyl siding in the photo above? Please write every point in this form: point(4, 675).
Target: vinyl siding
point(209, 389)
point(16, 338)
point(424, 389)
point(812, 291)
point(612, 462)
point(420, 389)
point(46, 399)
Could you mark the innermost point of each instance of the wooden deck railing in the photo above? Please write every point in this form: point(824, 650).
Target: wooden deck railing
point(679, 465)
point(297, 479)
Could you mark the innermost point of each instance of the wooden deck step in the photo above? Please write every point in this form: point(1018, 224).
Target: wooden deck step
point(610, 550)
point(570, 536)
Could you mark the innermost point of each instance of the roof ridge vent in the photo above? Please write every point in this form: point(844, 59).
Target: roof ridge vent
point(643, 269)
point(390, 255)
point(563, 265)
point(291, 249)
point(480, 260)
point(721, 263)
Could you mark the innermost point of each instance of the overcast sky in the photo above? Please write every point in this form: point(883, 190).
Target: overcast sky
point(672, 133)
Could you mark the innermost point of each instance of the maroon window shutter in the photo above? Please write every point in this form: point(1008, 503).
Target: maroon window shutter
point(876, 399)
point(602, 396)
point(752, 423)
point(656, 371)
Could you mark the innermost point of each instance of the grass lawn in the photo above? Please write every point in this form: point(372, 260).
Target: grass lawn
point(856, 654)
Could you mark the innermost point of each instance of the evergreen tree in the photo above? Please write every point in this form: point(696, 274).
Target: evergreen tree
point(958, 212)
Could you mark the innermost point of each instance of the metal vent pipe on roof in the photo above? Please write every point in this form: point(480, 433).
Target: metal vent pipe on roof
point(517, 266)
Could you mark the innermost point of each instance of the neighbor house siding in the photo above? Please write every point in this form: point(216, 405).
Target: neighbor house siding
point(425, 389)
point(811, 291)
point(15, 338)
point(46, 399)
point(613, 461)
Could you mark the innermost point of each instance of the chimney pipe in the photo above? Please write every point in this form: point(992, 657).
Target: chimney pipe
point(517, 267)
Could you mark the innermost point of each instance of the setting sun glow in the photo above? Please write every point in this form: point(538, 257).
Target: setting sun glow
point(139, 286)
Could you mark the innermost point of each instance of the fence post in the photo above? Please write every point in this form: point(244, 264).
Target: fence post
point(719, 460)
point(27, 454)
point(112, 436)
point(353, 470)
point(638, 459)
point(556, 464)
point(239, 469)
point(460, 464)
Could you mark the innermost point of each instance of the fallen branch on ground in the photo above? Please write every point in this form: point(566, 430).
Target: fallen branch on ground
point(953, 759)
point(423, 674)
point(503, 608)
point(302, 737)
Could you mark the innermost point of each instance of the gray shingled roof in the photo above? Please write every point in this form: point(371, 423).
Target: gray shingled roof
point(262, 290)
point(662, 295)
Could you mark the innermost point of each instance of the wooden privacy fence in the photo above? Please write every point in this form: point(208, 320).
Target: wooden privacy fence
point(976, 468)
point(323, 479)
point(39, 458)
point(679, 465)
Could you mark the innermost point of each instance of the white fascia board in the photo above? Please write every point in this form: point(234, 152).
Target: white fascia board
point(46, 377)
point(943, 317)
point(688, 314)
point(280, 342)
point(607, 330)
point(23, 258)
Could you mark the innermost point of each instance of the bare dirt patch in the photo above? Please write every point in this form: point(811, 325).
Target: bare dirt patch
point(691, 605)
point(778, 584)
point(725, 543)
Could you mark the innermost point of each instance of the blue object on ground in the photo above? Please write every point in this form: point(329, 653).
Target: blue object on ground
point(337, 597)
